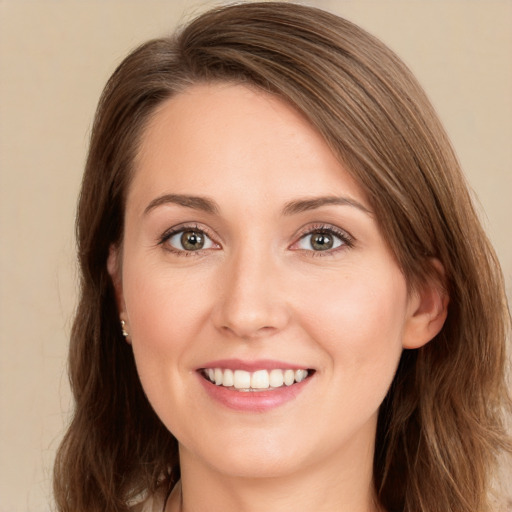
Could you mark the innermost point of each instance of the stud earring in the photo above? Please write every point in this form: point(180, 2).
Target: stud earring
point(123, 329)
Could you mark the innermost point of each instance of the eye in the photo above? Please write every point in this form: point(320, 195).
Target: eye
point(189, 240)
point(319, 242)
point(323, 239)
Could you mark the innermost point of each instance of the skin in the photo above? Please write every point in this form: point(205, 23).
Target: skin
point(259, 290)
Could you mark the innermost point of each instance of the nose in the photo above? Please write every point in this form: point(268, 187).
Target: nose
point(252, 300)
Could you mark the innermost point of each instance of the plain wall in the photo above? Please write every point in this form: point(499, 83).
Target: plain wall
point(55, 57)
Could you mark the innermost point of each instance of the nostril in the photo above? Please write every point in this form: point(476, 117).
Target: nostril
point(246, 333)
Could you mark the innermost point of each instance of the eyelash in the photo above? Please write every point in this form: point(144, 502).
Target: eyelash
point(181, 229)
point(347, 240)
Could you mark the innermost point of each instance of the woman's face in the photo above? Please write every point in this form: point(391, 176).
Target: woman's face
point(252, 258)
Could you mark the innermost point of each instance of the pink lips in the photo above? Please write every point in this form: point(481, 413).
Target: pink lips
point(251, 401)
point(251, 366)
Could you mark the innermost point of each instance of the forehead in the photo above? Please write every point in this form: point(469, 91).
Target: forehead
point(214, 136)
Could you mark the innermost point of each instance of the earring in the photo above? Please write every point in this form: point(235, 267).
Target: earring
point(123, 329)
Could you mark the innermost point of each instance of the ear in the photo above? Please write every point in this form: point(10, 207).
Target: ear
point(114, 269)
point(428, 309)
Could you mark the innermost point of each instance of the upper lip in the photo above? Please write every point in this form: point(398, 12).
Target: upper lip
point(251, 366)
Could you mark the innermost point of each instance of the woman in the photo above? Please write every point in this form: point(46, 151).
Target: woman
point(287, 300)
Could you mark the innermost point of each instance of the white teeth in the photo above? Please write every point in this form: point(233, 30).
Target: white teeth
point(258, 380)
point(242, 379)
point(276, 378)
point(228, 378)
point(289, 377)
point(300, 375)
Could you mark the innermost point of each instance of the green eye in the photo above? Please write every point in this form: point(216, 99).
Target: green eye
point(192, 240)
point(320, 241)
point(189, 240)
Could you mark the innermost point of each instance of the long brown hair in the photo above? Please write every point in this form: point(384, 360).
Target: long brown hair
point(441, 425)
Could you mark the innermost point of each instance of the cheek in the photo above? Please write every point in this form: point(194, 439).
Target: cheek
point(165, 311)
point(357, 304)
point(359, 319)
point(161, 303)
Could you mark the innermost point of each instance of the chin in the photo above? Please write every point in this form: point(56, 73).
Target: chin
point(251, 466)
point(258, 454)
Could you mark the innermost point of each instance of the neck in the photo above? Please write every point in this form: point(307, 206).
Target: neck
point(329, 487)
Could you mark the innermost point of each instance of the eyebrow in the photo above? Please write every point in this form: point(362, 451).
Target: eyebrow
point(195, 202)
point(303, 205)
point(292, 208)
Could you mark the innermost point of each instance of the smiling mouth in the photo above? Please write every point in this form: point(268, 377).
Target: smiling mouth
point(260, 380)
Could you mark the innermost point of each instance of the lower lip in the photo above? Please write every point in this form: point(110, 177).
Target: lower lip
point(253, 401)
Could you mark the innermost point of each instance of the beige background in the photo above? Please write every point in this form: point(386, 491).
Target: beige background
point(55, 57)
